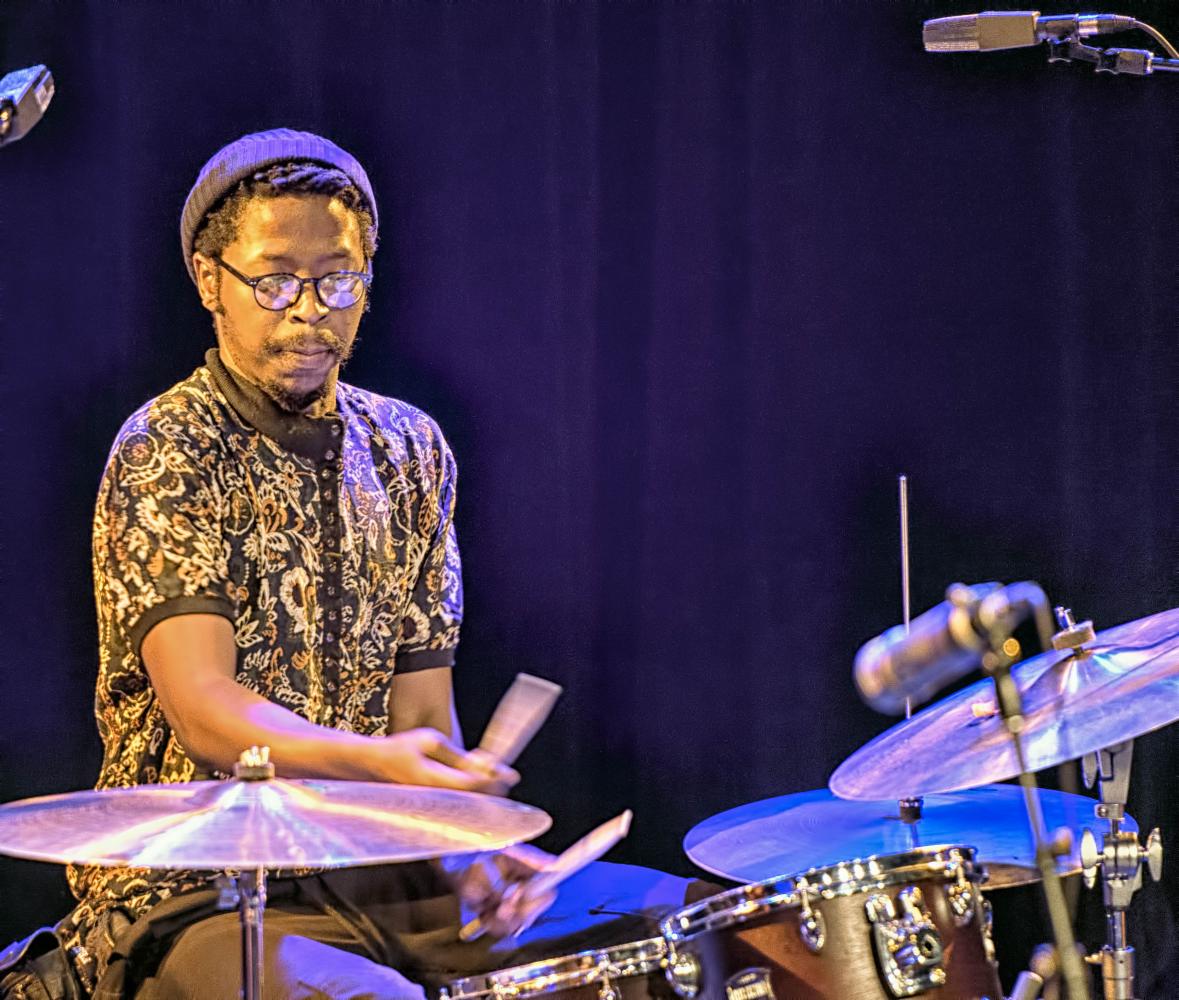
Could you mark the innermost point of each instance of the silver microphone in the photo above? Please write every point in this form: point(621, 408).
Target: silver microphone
point(1015, 29)
point(24, 96)
point(943, 644)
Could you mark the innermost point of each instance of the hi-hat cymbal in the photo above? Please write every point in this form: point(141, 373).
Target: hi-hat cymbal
point(1123, 684)
point(275, 823)
point(794, 833)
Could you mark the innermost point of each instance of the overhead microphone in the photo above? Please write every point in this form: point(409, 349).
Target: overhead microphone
point(940, 646)
point(24, 96)
point(1015, 29)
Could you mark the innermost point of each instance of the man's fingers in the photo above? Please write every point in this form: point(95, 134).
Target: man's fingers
point(441, 775)
point(491, 774)
point(517, 912)
point(521, 861)
point(492, 767)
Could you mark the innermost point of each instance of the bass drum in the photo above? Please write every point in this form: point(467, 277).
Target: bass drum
point(901, 925)
point(635, 971)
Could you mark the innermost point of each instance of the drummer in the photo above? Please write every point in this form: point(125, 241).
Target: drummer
point(275, 564)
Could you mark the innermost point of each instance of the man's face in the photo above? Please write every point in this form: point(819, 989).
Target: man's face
point(294, 355)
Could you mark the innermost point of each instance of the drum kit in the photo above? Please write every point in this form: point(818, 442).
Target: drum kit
point(873, 890)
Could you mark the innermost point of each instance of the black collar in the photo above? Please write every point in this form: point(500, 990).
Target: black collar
point(310, 437)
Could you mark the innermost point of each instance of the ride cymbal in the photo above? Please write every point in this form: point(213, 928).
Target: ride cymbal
point(276, 823)
point(1119, 686)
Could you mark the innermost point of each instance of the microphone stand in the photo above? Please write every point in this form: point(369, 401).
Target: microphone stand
point(1135, 62)
point(998, 614)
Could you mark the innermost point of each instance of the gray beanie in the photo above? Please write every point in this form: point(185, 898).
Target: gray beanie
point(245, 156)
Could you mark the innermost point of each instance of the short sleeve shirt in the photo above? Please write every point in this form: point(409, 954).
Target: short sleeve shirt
point(328, 542)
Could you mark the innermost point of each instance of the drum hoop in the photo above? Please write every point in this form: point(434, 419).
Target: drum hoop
point(635, 958)
point(747, 902)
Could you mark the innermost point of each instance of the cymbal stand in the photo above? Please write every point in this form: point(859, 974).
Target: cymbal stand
point(246, 891)
point(998, 615)
point(1120, 858)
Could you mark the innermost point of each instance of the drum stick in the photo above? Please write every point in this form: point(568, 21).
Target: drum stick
point(518, 716)
point(569, 862)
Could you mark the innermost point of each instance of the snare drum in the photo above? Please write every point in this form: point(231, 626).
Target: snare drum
point(634, 971)
point(901, 925)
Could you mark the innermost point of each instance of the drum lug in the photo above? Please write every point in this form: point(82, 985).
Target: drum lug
point(908, 946)
point(606, 990)
point(683, 972)
point(812, 928)
point(962, 901)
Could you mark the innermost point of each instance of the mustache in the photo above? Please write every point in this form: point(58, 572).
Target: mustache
point(322, 340)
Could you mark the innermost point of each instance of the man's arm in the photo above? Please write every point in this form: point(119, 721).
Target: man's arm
point(424, 698)
point(191, 661)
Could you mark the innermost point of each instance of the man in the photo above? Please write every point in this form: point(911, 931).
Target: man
point(275, 564)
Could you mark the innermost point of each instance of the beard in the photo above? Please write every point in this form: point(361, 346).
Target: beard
point(285, 396)
point(292, 402)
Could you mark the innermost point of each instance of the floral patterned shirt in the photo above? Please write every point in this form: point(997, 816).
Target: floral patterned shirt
point(329, 544)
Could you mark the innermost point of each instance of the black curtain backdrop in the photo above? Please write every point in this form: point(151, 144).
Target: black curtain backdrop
point(686, 284)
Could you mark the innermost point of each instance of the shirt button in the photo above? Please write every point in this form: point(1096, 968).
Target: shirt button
point(335, 430)
point(325, 473)
point(329, 454)
point(330, 637)
point(333, 615)
point(331, 591)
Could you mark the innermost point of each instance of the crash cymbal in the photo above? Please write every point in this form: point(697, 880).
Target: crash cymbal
point(275, 823)
point(794, 833)
point(1121, 685)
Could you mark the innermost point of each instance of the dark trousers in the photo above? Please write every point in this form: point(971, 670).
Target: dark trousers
point(388, 932)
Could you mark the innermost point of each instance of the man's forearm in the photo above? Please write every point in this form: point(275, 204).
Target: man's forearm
point(232, 718)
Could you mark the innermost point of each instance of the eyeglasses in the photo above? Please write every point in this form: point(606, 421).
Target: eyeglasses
point(337, 290)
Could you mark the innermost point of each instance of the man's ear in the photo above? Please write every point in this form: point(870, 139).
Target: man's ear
point(208, 278)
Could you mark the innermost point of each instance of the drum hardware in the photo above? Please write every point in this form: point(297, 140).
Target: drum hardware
point(812, 927)
point(962, 899)
point(893, 927)
point(1072, 635)
point(606, 990)
point(683, 972)
point(1120, 859)
point(609, 973)
point(908, 947)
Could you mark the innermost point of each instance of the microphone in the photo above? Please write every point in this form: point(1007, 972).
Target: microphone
point(1014, 29)
point(24, 96)
point(943, 644)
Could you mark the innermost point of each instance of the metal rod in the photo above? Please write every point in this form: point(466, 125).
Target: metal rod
point(252, 895)
point(906, 608)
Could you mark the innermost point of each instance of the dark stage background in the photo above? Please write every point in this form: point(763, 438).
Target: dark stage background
point(687, 285)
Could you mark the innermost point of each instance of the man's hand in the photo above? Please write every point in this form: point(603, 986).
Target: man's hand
point(426, 757)
point(493, 890)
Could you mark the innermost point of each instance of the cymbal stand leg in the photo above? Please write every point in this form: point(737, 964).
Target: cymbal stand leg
point(252, 903)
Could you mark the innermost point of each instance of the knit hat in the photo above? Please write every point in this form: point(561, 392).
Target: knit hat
point(244, 157)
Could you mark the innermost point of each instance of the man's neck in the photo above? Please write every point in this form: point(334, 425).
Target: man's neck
point(325, 404)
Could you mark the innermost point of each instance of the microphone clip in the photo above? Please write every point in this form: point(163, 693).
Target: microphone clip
point(1132, 62)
